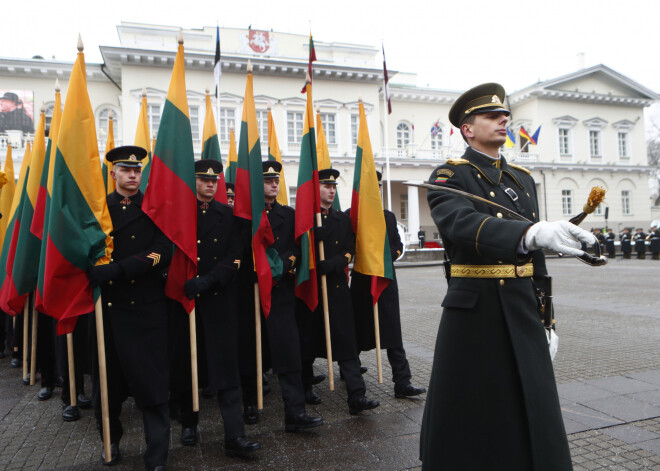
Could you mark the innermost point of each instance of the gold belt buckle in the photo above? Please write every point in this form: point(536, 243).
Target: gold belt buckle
point(520, 271)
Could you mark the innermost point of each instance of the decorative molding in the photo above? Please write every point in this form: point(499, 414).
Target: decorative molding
point(595, 124)
point(565, 121)
point(623, 125)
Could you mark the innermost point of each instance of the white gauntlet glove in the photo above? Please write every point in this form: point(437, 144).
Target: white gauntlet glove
point(560, 236)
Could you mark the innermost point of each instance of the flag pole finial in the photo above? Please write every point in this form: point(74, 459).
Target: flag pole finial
point(360, 99)
point(207, 89)
point(249, 66)
point(43, 107)
point(109, 114)
point(318, 108)
point(308, 79)
point(144, 92)
point(180, 38)
point(268, 106)
point(231, 125)
point(57, 85)
point(81, 47)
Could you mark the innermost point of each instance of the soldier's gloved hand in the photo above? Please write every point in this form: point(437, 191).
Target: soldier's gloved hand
point(197, 285)
point(560, 236)
point(103, 273)
point(320, 233)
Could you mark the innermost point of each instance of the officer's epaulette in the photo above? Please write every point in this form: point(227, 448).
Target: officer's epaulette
point(519, 167)
point(458, 161)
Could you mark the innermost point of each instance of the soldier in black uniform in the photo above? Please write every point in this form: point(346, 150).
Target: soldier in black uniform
point(421, 235)
point(389, 316)
point(492, 401)
point(640, 243)
point(339, 247)
point(626, 247)
point(654, 238)
point(609, 243)
point(230, 193)
point(281, 329)
point(220, 239)
point(134, 312)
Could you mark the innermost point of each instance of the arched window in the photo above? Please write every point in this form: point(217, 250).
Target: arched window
point(402, 135)
point(103, 126)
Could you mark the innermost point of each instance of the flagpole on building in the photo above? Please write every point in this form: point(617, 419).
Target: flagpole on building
point(386, 111)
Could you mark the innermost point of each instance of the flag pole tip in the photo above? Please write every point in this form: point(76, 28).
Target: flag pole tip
point(144, 92)
point(109, 114)
point(180, 38)
point(318, 108)
point(57, 85)
point(268, 105)
point(207, 89)
point(249, 66)
point(360, 99)
point(307, 78)
point(43, 107)
point(81, 47)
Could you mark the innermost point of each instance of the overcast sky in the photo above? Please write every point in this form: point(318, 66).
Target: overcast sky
point(452, 45)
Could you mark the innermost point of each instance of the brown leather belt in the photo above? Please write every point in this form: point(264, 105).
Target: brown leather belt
point(492, 271)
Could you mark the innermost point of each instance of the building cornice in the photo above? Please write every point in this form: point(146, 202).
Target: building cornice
point(43, 69)
point(421, 95)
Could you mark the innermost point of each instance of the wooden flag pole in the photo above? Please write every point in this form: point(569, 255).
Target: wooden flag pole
point(193, 361)
point(326, 311)
point(257, 326)
point(33, 356)
point(72, 370)
point(103, 379)
point(379, 363)
point(26, 327)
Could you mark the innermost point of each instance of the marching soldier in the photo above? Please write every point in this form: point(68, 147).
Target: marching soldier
point(282, 338)
point(134, 312)
point(640, 243)
point(389, 316)
point(626, 248)
point(339, 247)
point(492, 369)
point(654, 238)
point(220, 238)
point(609, 243)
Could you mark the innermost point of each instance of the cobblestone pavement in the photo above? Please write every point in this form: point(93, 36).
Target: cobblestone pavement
point(607, 369)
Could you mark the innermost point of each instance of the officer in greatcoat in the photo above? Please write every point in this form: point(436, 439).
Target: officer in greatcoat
point(220, 239)
point(492, 401)
point(610, 237)
point(134, 312)
point(626, 244)
point(654, 239)
point(389, 316)
point(339, 248)
point(281, 330)
point(640, 243)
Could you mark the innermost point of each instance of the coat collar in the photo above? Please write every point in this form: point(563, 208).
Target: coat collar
point(488, 169)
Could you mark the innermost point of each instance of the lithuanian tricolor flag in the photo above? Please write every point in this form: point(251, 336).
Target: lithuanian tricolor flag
point(211, 148)
point(308, 205)
point(107, 166)
point(23, 260)
point(7, 193)
point(275, 154)
point(250, 203)
point(142, 139)
point(232, 158)
point(323, 156)
point(77, 236)
point(171, 199)
point(13, 216)
point(372, 247)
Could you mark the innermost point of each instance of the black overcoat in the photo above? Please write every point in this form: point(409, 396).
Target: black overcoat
point(492, 400)
point(339, 249)
point(389, 315)
point(134, 305)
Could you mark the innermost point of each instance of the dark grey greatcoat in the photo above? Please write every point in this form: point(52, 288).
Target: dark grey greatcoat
point(134, 306)
point(492, 402)
point(389, 315)
point(339, 249)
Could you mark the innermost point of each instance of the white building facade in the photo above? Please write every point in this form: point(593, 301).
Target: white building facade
point(592, 126)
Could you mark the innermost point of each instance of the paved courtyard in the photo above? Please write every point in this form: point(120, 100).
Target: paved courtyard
point(607, 370)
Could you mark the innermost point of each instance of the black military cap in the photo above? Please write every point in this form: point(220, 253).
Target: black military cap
point(480, 99)
point(126, 156)
point(208, 168)
point(380, 178)
point(9, 96)
point(272, 168)
point(230, 189)
point(328, 176)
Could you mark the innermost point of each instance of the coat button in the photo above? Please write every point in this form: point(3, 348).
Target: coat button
point(132, 302)
point(492, 194)
point(215, 258)
point(337, 286)
point(203, 211)
point(528, 195)
point(198, 259)
point(267, 211)
point(499, 261)
point(109, 304)
point(132, 237)
point(277, 238)
point(215, 240)
point(215, 294)
point(479, 176)
point(112, 260)
point(110, 282)
point(501, 282)
point(132, 282)
point(499, 215)
point(198, 295)
point(534, 215)
point(112, 237)
point(123, 207)
point(199, 241)
point(336, 242)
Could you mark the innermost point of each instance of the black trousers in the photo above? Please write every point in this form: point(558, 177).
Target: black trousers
point(46, 355)
point(229, 402)
point(401, 375)
point(355, 387)
point(291, 386)
point(81, 355)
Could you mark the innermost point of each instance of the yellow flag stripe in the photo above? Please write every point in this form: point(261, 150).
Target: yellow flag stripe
point(274, 150)
point(177, 91)
point(52, 135)
point(250, 115)
point(37, 161)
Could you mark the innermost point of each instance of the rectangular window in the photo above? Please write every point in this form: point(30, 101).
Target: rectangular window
point(625, 202)
point(567, 202)
point(436, 141)
point(599, 210)
point(594, 144)
point(226, 122)
point(355, 121)
point(624, 148)
point(262, 123)
point(564, 141)
point(153, 111)
point(294, 124)
point(328, 121)
point(404, 207)
point(292, 196)
point(194, 123)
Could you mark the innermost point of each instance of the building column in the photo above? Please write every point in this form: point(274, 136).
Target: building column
point(413, 213)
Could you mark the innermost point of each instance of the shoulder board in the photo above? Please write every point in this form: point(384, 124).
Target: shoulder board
point(521, 168)
point(458, 161)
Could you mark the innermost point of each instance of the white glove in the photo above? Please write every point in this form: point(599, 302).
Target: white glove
point(560, 236)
